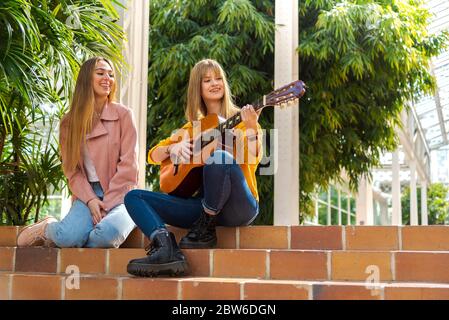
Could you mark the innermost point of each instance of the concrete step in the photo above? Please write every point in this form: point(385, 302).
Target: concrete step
point(55, 287)
point(416, 238)
point(278, 264)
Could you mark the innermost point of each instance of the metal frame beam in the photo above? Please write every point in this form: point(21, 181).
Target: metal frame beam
point(439, 109)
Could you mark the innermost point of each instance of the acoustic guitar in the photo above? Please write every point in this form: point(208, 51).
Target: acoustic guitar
point(185, 179)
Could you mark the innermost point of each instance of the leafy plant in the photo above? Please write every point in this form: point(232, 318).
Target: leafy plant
point(28, 168)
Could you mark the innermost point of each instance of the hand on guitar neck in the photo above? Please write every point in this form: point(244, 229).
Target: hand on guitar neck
point(250, 116)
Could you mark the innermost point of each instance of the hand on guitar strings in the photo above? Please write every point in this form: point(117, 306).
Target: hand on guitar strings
point(181, 152)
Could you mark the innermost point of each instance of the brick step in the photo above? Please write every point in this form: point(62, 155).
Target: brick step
point(321, 265)
point(417, 238)
point(55, 287)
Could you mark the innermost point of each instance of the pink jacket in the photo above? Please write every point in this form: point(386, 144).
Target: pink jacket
point(112, 145)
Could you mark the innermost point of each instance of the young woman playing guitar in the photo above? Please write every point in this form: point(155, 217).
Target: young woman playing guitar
point(224, 190)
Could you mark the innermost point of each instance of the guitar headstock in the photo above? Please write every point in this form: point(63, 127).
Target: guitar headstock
point(286, 94)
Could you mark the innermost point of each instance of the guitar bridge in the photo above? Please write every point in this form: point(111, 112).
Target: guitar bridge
point(175, 171)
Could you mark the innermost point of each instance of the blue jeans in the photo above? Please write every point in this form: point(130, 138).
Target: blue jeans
point(77, 229)
point(226, 194)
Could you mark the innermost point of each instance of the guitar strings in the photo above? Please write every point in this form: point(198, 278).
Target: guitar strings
point(230, 123)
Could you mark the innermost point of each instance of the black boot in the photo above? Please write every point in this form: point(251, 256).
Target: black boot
point(202, 235)
point(163, 258)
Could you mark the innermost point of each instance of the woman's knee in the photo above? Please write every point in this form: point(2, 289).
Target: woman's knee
point(136, 200)
point(220, 157)
point(106, 236)
point(69, 238)
point(131, 196)
point(136, 196)
point(219, 163)
point(131, 201)
point(113, 230)
point(73, 230)
point(221, 172)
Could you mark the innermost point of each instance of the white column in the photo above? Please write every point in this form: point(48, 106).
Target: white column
point(133, 83)
point(339, 207)
point(329, 209)
point(364, 203)
point(413, 194)
point(349, 209)
point(384, 212)
point(66, 202)
point(424, 218)
point(396, 218)
point(286, 121)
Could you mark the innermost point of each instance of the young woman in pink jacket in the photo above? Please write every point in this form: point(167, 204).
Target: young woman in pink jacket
point(98, 140)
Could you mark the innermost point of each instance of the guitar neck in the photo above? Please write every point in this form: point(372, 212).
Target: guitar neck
point(230, 123)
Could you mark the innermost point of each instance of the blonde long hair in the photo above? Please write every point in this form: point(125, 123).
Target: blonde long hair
point(196, 108)
point(80, 116)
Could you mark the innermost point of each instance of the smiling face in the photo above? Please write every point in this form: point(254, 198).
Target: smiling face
point(102, 79)
point(212, 87)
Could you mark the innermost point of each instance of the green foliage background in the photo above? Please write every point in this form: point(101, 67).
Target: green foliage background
point(362, 60)
point(437, 204)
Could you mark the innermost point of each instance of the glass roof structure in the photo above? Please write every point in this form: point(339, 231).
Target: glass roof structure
point(433, 111)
